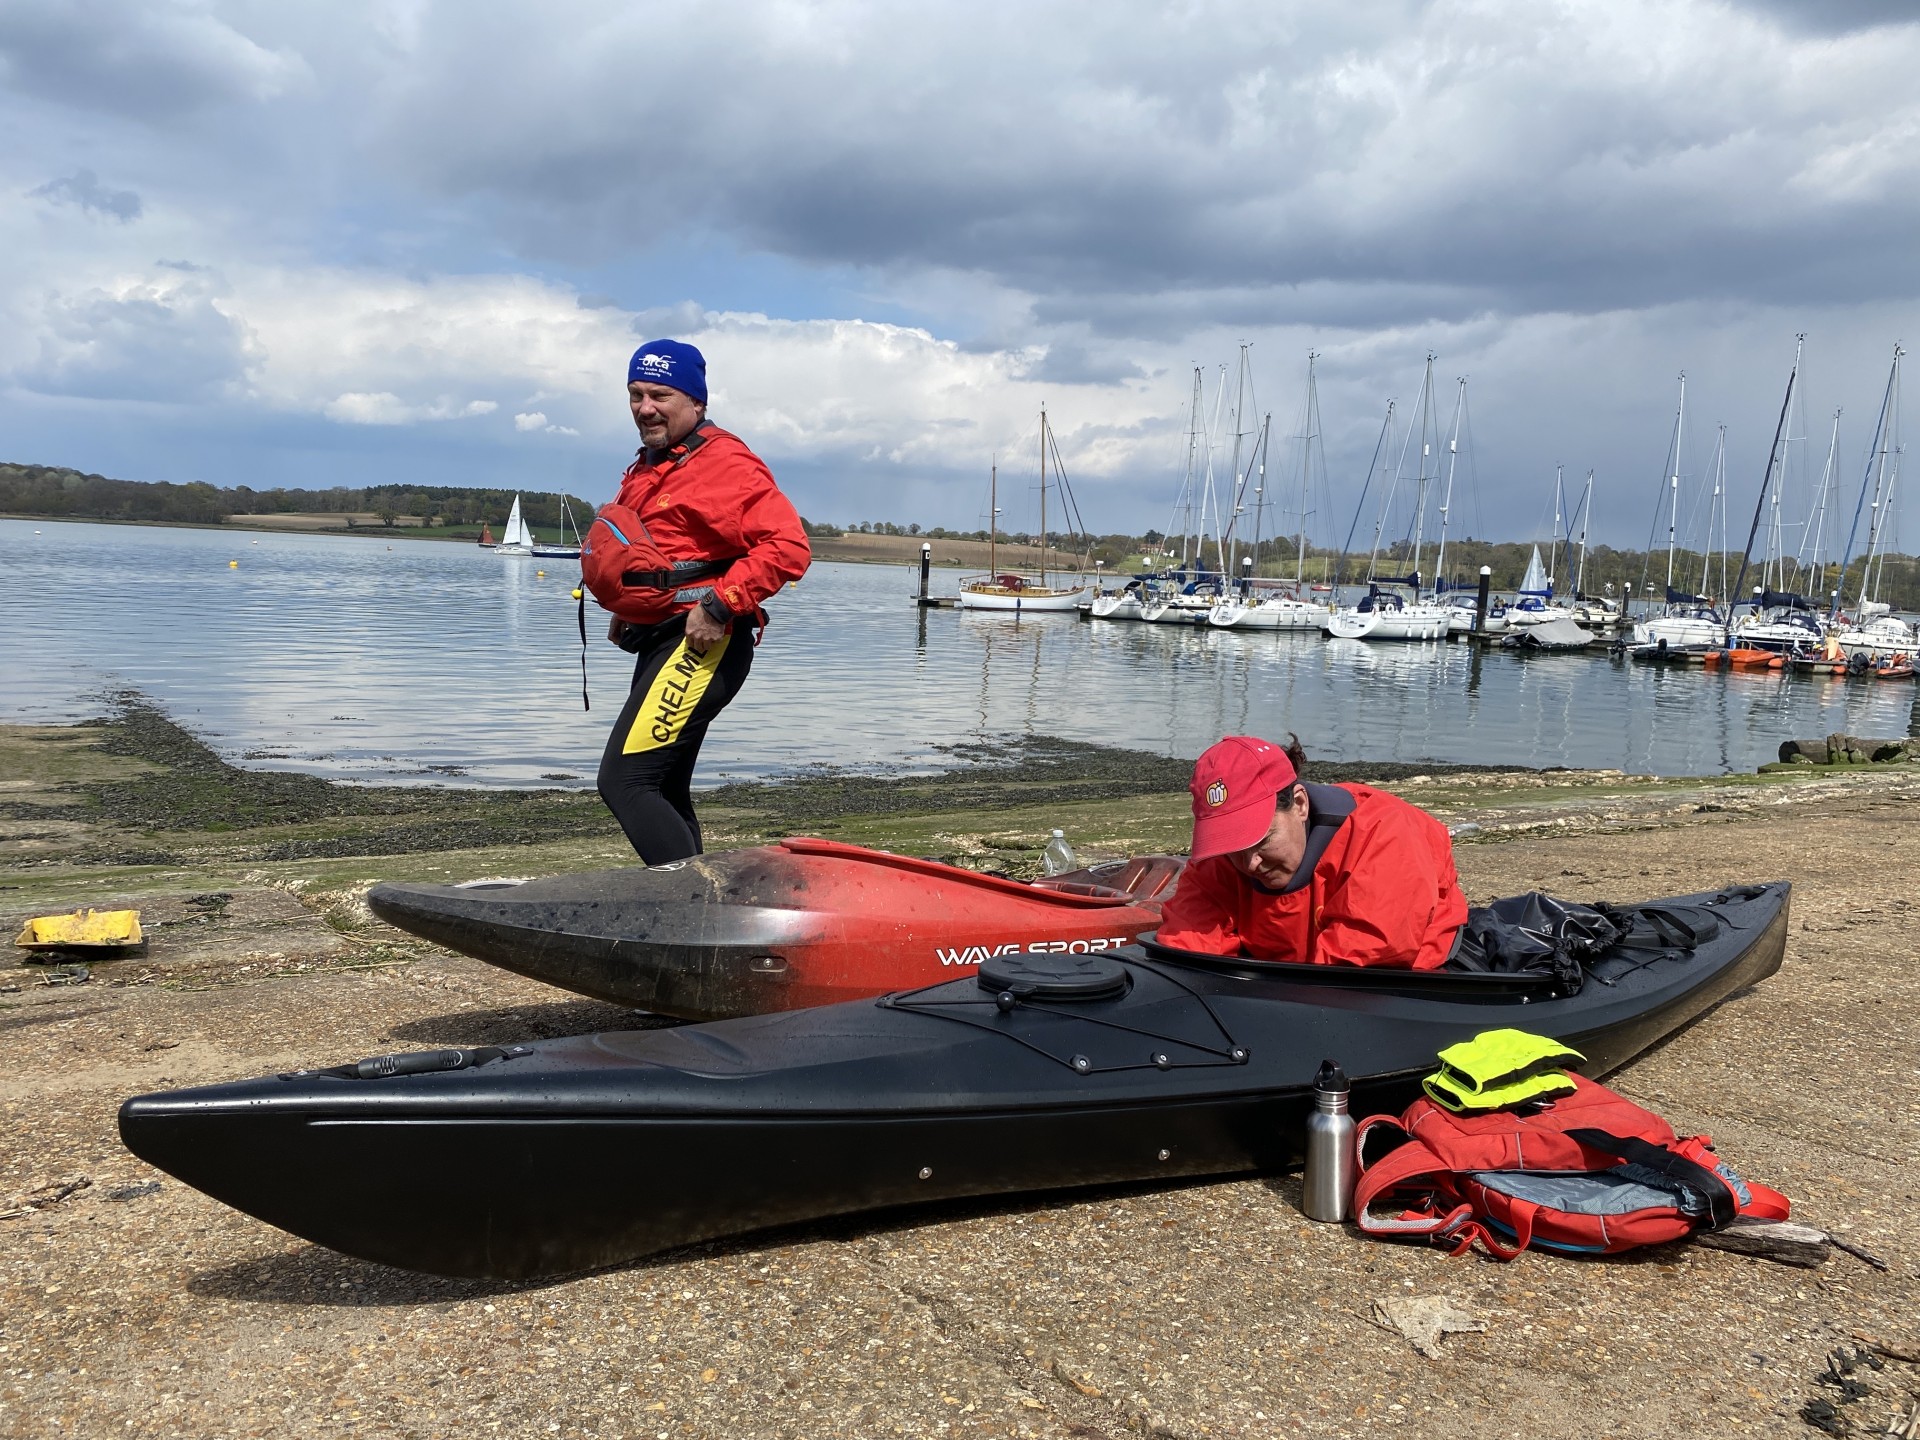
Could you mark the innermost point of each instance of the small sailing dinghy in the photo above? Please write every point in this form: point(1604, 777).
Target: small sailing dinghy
point(517, 539)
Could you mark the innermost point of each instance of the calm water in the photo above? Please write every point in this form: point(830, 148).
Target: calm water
point(410, 660)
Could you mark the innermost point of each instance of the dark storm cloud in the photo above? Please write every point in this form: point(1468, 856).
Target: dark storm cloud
point(1834, 17)
point(83, 188)
point(136, 58)
point(1152, 169)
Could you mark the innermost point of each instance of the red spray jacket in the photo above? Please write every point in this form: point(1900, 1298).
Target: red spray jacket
point(711, 498)
point(1382, 891)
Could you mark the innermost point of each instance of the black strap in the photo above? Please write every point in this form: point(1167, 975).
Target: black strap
point(1661, 1167)
point(580, 594)
point(678, 574)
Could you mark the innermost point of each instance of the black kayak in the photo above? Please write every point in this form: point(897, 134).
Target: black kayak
point(1037, 1073)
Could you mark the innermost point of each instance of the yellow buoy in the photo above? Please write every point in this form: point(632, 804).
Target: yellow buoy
point(539, 574)
point(233, 564)
point(576, 594)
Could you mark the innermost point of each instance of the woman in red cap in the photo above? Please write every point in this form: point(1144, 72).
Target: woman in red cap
point(1326, 874)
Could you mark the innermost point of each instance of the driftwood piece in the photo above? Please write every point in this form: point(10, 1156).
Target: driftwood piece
point(1777, 1240)
point(1908, 1353)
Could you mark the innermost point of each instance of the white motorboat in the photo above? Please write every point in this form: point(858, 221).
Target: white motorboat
point(516, 539)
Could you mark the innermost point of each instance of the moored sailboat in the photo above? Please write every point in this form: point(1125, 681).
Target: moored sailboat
point(1012, 590)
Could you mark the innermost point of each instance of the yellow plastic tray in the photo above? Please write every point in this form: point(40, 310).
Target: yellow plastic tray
point(82, 930)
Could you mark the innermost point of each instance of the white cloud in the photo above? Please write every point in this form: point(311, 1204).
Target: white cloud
point(532, 420)
point(386, 408)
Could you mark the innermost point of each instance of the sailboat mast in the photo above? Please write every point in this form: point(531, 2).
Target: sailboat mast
point(1815, 566)
point(1879, 435)
point(993, 517)
point(1420, 502)
point(1759, 505)
point(1453, 460)
point(1306, 472)
point(1673, 476)
point(1882, 483)
point(1043, 495)
point(1586, 524)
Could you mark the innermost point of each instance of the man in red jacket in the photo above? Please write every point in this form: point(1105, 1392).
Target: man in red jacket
point(704, 496)
point(1325, 874)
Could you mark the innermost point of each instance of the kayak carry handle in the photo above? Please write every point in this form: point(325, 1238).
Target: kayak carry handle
point(424, 1062)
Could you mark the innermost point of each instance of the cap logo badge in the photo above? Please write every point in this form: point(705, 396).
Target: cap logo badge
point(1217, 793)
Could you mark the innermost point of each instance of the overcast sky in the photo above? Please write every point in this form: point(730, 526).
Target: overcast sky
point(303, 244)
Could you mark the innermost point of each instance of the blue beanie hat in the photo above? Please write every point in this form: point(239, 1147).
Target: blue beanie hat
point(671, 363)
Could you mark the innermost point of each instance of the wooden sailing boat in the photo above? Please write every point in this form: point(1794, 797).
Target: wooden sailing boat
point(1011, 589)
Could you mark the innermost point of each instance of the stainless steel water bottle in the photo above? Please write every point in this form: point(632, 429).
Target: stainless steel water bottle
point(1326, 1190)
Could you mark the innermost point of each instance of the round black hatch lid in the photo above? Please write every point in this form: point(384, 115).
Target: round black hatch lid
point(1054, 977)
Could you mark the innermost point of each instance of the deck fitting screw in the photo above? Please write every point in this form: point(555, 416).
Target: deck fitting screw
point(1238, 1055)
point(1166, 1154)
point(1160, 1059)
point(926, 1172)
point(1082, 1064)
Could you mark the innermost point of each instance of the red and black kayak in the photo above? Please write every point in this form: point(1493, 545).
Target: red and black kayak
point(1035, 1072)
point(776, 927)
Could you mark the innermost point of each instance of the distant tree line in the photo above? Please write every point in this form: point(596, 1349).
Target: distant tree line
point(58, 492)
point(54, 491)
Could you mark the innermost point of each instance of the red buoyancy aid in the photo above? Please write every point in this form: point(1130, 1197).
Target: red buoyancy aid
point(1592, 1172)
point(629, 574)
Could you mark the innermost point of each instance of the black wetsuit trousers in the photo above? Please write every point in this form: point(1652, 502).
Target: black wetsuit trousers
point(646, 774)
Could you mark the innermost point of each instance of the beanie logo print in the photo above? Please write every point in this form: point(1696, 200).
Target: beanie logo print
point(656, 367)
point(1217, 793)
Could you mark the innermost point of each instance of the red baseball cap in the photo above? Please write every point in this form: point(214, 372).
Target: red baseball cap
point(1235, 785)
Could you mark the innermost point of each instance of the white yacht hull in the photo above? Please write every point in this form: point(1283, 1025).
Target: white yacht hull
point(1273, 614)
point(1124, 606)
point(1416, 622)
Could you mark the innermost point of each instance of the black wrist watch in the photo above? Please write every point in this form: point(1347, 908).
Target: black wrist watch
point(717, 608)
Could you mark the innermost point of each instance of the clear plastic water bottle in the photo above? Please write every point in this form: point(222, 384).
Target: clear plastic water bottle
point(1058, 857)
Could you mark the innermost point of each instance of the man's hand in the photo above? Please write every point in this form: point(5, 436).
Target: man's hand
point(702, 630)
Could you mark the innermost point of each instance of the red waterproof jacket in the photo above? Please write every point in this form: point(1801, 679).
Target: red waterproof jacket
point(1381, 892)
point(711, 498)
